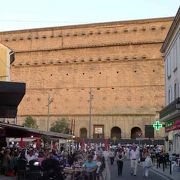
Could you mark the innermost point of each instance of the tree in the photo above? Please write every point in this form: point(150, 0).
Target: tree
point(46, 139)
point(60, 126)
point(30, 122)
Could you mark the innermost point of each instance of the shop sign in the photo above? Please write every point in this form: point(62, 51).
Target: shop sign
point(98, 130)
point(173, 127)
point(169, 123)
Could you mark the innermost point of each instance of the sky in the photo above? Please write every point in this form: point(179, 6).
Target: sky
point(26, 14)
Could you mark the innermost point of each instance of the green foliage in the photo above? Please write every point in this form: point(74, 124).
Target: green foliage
point(45, 139)
point(60, 126)
point(30, 122)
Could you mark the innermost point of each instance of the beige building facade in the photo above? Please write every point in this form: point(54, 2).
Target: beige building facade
point(118, 63)
point(5, 54)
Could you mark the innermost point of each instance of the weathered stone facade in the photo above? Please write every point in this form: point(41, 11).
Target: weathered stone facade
point(120, 61)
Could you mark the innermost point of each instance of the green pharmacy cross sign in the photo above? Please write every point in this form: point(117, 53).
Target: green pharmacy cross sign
point(157, 125)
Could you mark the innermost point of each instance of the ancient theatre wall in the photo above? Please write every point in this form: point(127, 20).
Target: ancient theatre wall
point(121, 62)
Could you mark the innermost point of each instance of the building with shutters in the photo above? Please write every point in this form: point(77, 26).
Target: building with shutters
point(170, 114)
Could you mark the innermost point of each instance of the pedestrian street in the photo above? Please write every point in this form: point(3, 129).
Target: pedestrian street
point(126, 174)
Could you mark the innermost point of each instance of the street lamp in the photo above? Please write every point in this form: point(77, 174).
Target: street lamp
point(50, 100)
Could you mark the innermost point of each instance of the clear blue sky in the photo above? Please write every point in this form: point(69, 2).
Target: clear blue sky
point(23, 14)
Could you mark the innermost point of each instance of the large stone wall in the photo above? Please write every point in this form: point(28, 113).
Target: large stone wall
point(120, 61)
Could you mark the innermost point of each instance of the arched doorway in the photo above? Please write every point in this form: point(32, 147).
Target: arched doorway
point(116, 133)
point(136, 132)
point(83, 133)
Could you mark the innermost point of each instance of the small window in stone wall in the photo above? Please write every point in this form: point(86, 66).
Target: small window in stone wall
point(153, 28)
point(29, 37)
point(163, 27)
point(115, 31)
point(143, 28)
point(134, 29)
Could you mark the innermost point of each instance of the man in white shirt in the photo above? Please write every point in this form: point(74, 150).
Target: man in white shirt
point(30, 156)
point(134, 157)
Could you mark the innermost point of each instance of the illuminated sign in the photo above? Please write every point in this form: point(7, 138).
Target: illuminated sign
point(157, 125)
point(98, 130)
point(173, 127)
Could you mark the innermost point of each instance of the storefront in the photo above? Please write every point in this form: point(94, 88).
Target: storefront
point(170, 115)
point(172, 129)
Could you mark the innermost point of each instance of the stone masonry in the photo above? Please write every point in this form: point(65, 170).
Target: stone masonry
point(120, 61)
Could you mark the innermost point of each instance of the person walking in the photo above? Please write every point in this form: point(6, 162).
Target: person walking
point(147, 165)
point(111, 156)
point(134, 157)
point(119, 159)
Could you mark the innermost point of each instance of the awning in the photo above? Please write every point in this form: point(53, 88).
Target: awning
point(11, 94)
point(12, 130)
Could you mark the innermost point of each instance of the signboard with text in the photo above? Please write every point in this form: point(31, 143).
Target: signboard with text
point(173, 127)
point(98, 130)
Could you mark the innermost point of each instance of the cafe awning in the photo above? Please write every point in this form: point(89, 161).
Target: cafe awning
point(13, 130)
point(11, 94)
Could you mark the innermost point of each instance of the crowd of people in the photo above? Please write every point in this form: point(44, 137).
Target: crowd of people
point(144, 155)
point(87, 162)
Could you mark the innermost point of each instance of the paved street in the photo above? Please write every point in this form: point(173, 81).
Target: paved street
point(111, 174)
point(126, 173)
point(7, 178)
